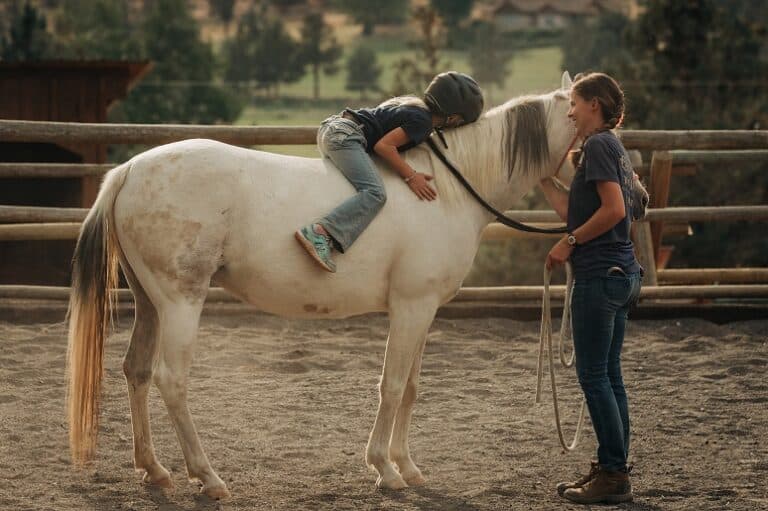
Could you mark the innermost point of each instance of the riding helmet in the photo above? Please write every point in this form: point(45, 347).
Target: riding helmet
point(452, 93)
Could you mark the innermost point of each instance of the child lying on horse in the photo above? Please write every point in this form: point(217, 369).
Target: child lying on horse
point(347, 139)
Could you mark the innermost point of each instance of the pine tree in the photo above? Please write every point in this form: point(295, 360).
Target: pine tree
point(319, 48)
point(97, 29)
point(414, 73)
point(27, 38)
point(222, 9)
point(363, 71)
point(373, 12)
point(699, 64)
point(488, 58)
point(180, 88)
point(453, 11)
point(263, 53)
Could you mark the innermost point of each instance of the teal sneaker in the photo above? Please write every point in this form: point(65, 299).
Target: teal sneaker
point(317, 245)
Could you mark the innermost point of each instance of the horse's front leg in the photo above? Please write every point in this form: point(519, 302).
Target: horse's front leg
point(409, 322)
point(398, 449)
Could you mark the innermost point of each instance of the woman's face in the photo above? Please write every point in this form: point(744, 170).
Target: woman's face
point(586, 115)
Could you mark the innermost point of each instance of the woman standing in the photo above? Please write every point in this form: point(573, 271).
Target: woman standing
point(607, 279)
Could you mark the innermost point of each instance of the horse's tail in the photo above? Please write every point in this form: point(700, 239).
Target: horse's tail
point(94, 276)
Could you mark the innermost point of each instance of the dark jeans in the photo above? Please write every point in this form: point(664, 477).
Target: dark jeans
point(599, 309)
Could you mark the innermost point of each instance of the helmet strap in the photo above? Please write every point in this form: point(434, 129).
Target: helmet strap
point(439, 131)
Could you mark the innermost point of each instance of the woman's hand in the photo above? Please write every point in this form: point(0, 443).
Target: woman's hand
point(559, 254)
point(418, 183)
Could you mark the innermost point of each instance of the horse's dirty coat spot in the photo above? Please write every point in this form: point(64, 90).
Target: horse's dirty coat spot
point(175, 248)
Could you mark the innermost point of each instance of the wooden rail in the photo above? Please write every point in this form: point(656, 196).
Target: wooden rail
point(151, 134)
point(57, 170)
point(713, 275)
point(26, 214)
point(685, 157)
point(38, 231)
point(546, 218)
point(683, 163)
point(155, 134)
point(30, 223)
point(466, 294)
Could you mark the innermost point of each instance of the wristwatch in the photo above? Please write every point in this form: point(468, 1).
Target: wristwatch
point(571, 239)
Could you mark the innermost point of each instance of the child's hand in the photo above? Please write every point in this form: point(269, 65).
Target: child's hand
point(418, 183)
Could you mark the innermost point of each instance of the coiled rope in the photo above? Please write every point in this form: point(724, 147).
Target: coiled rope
point(545, 338)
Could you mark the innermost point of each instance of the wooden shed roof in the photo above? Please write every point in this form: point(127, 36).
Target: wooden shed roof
point(135, 70)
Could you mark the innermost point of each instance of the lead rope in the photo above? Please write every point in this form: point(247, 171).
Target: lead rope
point(545, 337)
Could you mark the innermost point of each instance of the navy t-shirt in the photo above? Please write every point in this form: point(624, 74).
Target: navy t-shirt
point(603, 159)
point(377, 122)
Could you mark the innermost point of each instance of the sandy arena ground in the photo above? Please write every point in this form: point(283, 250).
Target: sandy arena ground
point(284, 409)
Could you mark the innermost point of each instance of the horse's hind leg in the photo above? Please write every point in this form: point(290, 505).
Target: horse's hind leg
point(178, 331)
point(409, 323)
point(398, 449)
point(137, 366)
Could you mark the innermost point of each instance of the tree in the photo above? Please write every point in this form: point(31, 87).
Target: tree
point(262, 52)
point(180, 88)
point(694, 65)
point(97, 29)
point(222, 9)
point(488, 59)
point(362, 71)
point(27, 38)
point(452, 11)
point(287, 4)
point(319, 48)
point(373, 12)
point(416, 72)
point(591, 48)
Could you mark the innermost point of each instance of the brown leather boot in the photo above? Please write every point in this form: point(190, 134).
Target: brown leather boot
point(606, 487)
point(593, 470)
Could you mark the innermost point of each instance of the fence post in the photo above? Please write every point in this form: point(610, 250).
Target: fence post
point(661, 172)
point(640, 234)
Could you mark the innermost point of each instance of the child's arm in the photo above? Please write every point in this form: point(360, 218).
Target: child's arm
point(387, 149)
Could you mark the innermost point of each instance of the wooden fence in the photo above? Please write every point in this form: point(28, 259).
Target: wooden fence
point(674, 153)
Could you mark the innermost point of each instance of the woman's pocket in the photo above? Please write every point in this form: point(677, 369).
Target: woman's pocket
point(617, 287)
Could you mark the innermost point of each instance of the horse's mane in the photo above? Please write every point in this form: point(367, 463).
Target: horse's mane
point(512, 136)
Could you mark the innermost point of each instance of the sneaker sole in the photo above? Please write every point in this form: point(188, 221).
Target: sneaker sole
point(310, 249)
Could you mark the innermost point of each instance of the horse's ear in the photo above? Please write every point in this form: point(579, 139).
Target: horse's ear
point(566, 81)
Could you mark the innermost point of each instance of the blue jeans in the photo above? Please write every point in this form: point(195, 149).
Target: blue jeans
point(342, 141)
point(599, 309)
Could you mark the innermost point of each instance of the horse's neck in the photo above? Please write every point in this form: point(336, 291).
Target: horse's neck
point(476, 151)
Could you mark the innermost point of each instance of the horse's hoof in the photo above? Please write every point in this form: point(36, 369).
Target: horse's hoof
point(215, 492)
point(395, 482)
point(414, 478)
point(161, 478)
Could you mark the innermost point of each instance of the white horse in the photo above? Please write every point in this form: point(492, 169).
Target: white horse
point(183, 215)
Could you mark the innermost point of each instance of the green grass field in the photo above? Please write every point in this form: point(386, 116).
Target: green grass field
point(531, 71)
